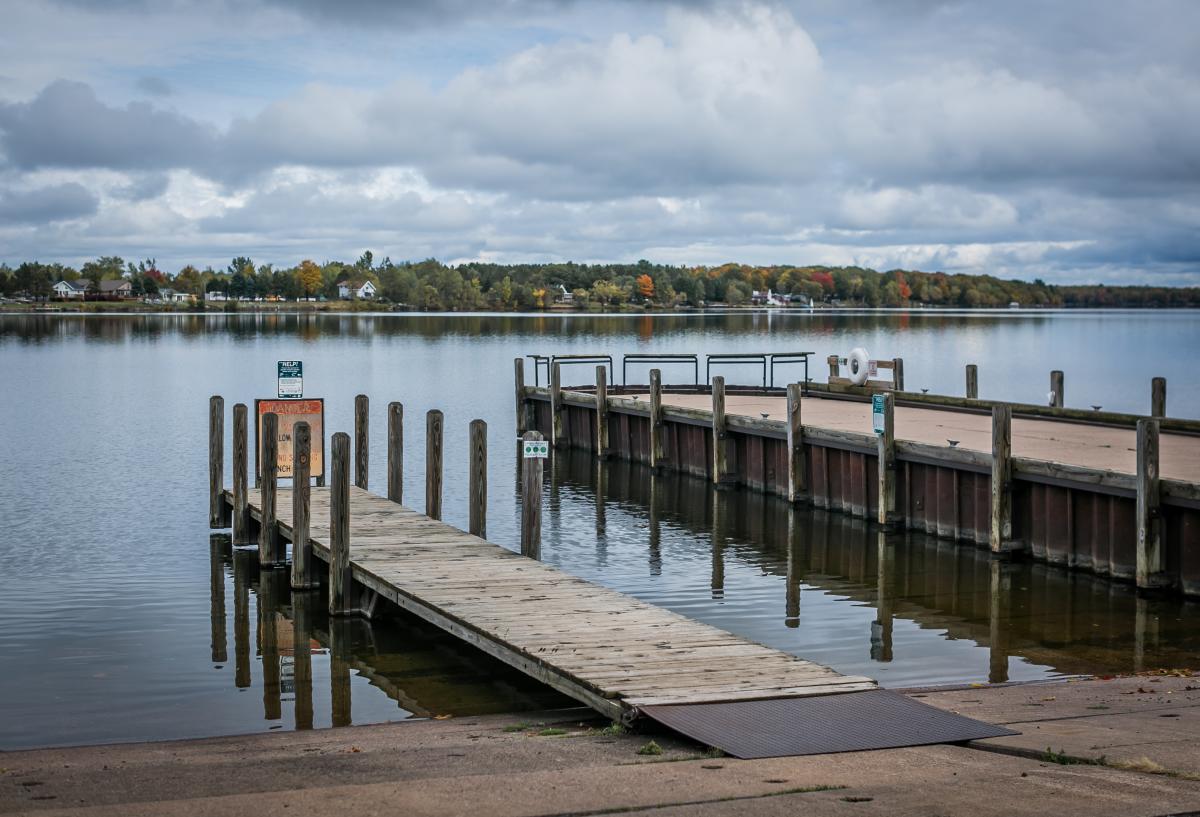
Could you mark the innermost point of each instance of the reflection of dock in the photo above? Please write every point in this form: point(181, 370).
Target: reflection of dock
point(604, 648)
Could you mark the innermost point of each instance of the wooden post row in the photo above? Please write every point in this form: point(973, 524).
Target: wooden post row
point(433, 463)
point(556, 418)
point(302, 572)
point(601, 412)
point(519, 378)
point(1000, 529)
point(477, 513)
point(656, 420)
point(1158, 397)
point(1056, 389)
point(395, 462)
point(216, 461)
point(241, 503)
point(972, 381)
point(797, 468)
point(720, 433)
point(362, 440)
point(886, 450)
point(1151, 557)
point(531, 502)
point(341, 578)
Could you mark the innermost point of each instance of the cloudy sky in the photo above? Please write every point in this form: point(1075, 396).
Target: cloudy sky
point(1024, 139)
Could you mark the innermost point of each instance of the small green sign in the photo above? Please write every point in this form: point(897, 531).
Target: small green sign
point(536, 449)
point(877, 401)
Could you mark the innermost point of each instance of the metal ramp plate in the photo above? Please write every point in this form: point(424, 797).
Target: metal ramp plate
point(851, 722)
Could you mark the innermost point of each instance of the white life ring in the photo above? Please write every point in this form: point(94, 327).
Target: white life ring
point(858, 362)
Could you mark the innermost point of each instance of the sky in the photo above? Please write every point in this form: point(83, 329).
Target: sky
point(1022, 139)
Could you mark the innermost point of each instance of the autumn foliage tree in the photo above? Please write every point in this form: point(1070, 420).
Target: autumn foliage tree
point(645, 286)
point(308, 277)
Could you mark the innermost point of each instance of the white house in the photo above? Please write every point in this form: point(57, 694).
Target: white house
point(70, 289)
point(348, 290)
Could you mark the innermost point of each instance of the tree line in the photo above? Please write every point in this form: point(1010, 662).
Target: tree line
point(433, 286)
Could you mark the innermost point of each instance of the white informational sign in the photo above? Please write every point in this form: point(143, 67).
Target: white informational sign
point(290, 379)
point(872, 368)
point(536, 449)
point(877, 413)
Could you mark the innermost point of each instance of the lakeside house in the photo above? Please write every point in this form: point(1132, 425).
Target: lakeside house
point(769, 298)
point(81, 288)
point(351, 290)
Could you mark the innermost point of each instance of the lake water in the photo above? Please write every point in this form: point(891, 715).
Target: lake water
point(121, 619)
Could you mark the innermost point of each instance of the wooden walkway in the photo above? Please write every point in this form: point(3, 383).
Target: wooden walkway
point(601, 647)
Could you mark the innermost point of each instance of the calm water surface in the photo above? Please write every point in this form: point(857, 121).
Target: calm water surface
point(121, 619)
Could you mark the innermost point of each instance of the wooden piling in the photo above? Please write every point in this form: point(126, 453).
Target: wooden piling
point(556, 409)
point(1000, 528)
point(241, 507)
point(477, 524)
point(362, 439)
point(797, 468)
point(341, 580)
point(898, 373)
point(835, 370)
point(972, 381)
point(269, 542)
point(888, 516)
point(1056, 389)
point(602, 449)
point(1158, 397)
point(657, 450)
point(395, 453)
point(216, 461)
point(720, 434)
point(531, 502)
point(302, 572)
point(519, 379)
point(1151, 555)
point(433, 463)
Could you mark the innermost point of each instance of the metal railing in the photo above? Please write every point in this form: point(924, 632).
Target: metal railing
point(668, 359)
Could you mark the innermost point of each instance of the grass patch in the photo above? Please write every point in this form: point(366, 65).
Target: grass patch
point(1147, 766)
point(1063, 759)
point(552, 732)
point(650, 748)
point(713, 751)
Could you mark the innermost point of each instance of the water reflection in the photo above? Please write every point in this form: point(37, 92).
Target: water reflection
point(904, 608)
point(389, 668)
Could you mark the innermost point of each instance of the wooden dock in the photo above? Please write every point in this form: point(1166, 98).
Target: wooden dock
point(1115, 494)
point(601, 647)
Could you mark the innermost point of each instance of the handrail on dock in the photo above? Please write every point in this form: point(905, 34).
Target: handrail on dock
point(549, 360)
point(680, 358)
point(734, 360)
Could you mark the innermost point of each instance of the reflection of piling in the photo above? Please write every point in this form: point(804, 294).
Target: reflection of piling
point(717, 584)
point(881, 628)
point(302, 657)
point(218, 547)
point(242, 566)
point(339, 670)
point(269, 585)
point(655, 526)
point(999, 624)
point(792, 582)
